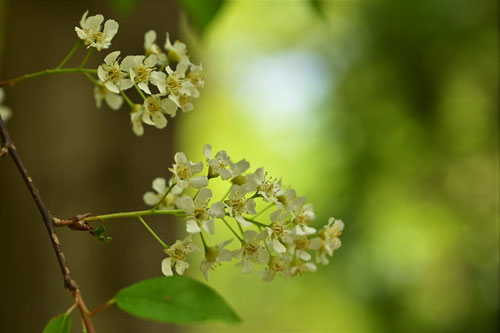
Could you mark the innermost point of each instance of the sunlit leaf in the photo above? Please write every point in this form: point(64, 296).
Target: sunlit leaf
point(59, 324)
point(201, 12)
point(175, 299)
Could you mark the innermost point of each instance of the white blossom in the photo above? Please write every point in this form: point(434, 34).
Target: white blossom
point(140, 69)
point(185, 170)
point(278, 232)
point(5, 112)
point(176, 52)
point(177, 256)
point(198, 215)
point(90, 31)
point(252, 250)
point(114, 77)
point(329, 240)
point(276, 265)
point(237, 204)
point(160, 187)
point(196, 76)
point(214, 256)
point(101, 93)
point(301, 216)
point(151, 47)
point(217, 165)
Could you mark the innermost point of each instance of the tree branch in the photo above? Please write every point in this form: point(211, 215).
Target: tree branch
point(47, 217)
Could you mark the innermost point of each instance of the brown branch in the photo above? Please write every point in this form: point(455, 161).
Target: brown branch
point(47, 217)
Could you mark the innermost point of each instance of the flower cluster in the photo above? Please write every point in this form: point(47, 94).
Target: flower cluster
point(283, 241)
point(5, 112)
point(176, 79)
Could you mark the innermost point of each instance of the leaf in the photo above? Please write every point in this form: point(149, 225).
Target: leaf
point(99, 234)
point(175, 299)
point(201, 12)
point(59, 324)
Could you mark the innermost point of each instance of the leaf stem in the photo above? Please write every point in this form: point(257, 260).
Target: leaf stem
point(87, 57)
point(12, 82)
point(205, 247)
point(129, 102)
point(70, 54)
point(103, 306)
point(137, 213)
point(152, 232)
point(262, 211)
point(140, 91)
point(234, 232)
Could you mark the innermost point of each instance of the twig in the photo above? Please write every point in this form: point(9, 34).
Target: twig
point(47, 217)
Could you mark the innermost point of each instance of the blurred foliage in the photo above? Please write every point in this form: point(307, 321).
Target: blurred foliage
point(124, 6)
point(384, 114)
point(201, 13)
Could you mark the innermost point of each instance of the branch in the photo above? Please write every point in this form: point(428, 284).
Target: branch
point(47, 217)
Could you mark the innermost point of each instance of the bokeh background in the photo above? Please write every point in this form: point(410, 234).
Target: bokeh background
point(383, 113)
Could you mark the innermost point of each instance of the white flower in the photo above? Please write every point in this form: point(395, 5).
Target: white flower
point(300, 245)
point(299, 267)
point(329, 239)
point(177, 255)
point(184, 172)
point(90, 31)
point(276, 265)
point(237, 204)
point(180, 90)
point(160, 186)
point(301, 216)
point(140, 69)
point(196, 76)
point(197, 212)
point(238, 168)
point(151, 113)
point(112, 74)
point(114, 101)
point(136, 119)
point(155, 107)
point(152, 48)
point(214, 256)
point(5, 112)
point(176, 52)
point(217, 166)
point(252, 250)
point(268, 189)
point(278, 232)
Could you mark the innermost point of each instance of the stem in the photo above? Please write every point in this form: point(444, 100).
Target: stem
point(239, 227)
point(153, 233)
point(225, 195)
point(12, 82)
point(89, 53)
point(138, 213)
point(140, 92)
point(163, 197)
point(129, 102)
point(262, 211)
point(47, 217)
point(205, 247)
point(234, 232)
point(103, 306)
point(69, 55)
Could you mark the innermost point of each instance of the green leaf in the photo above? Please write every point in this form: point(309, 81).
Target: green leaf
point(59, 324)
point(175, 299)
point(201, 12)
point(99, 233)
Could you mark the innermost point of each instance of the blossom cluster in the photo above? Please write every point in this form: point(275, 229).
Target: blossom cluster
point(176, 79)
point(279, 237)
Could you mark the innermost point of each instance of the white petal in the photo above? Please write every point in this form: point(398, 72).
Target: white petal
point(207, 151)
point(217, 210)
point(114, 101)
point(186, 204)
point(203, 195)
point(192, 227)
point(110, 58)
point(150, 198)
point(159, 120)
point(243, 222)
point(278, 247)
point(166, 267)
point(198, 182)
point(160, 185)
